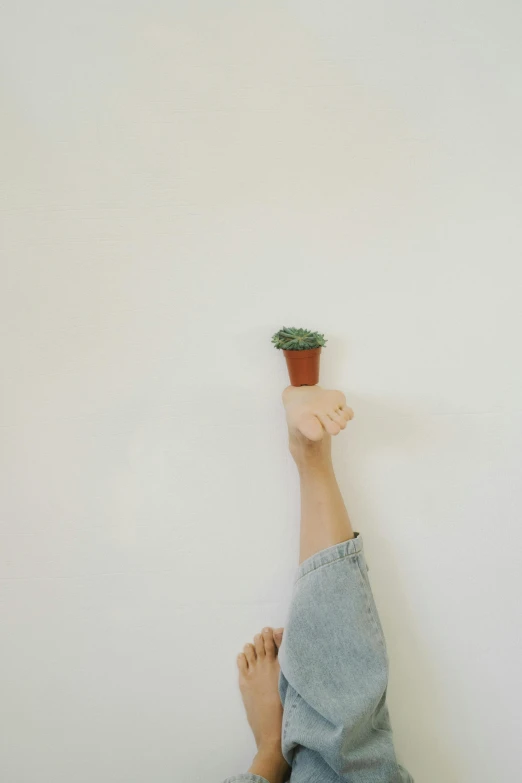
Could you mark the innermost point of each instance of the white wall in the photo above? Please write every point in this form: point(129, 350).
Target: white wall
point(179, 180)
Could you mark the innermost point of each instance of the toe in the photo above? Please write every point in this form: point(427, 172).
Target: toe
point(330, 426)
point(259, 645)
point(278, 637)
point(250, 654)
point(242, 663)
point(268, 639)
point(347, 412)
point(338, 418)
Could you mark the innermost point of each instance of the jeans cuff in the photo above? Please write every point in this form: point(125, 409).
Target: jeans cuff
point(330, 555)
point(246, 778)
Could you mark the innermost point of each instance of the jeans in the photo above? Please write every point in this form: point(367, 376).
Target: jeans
point(334, 676)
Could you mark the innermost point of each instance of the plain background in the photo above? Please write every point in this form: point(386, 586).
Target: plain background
point(179, 180)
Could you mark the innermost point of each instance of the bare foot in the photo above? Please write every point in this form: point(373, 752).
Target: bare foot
point(258, 681)
point(313, 412)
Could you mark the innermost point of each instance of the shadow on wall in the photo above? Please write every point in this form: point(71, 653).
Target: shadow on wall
point(390, 432)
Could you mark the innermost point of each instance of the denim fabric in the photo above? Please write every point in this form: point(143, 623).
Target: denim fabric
point(334, 676)
point(246, 779)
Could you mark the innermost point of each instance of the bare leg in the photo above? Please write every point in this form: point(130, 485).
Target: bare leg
point(314, 415)
point(334, 661)
point(258, 679)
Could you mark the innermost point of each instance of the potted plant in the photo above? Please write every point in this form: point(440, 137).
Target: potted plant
point(302, 350)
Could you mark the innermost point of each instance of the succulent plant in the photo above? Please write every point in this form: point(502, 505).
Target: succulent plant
point(292, 339)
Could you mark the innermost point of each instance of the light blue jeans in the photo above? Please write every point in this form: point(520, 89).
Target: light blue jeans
point(334, 676)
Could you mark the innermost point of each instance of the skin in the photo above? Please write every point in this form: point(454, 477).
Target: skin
point(313, 415)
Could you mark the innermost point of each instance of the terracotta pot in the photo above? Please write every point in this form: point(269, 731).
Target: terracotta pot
point(303, 366)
